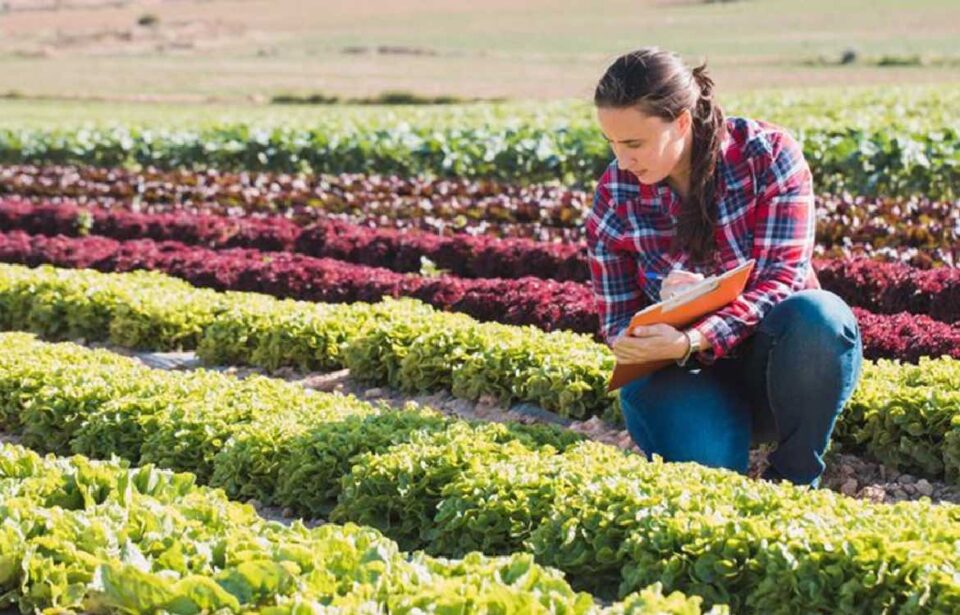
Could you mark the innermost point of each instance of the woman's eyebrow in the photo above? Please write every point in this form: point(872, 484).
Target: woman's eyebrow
point(624, 141)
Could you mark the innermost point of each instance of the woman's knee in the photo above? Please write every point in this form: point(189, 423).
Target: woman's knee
point(815, 356)
point(813, 316)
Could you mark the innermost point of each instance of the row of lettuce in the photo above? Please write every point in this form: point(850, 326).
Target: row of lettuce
point(394, 199)
point(880, 287)
point(863, 161)
point(611, 521)
point(546, 304)
point(301, 195)
point(929, 234)
point(917, 231)
point(904, 415)
point(397, 250)
point(102, 537)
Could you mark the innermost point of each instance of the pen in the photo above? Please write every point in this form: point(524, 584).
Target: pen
point(652, 275)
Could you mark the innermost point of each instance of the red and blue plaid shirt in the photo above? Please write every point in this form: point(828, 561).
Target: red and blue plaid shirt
point(765, 212)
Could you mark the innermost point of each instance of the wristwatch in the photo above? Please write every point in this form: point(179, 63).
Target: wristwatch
point(693, 336)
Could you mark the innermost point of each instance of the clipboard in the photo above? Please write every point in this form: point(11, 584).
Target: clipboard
point(704, 297)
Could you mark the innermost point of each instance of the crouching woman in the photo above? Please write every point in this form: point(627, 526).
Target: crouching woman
point(693, 193)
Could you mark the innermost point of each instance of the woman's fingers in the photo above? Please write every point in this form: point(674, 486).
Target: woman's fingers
point(681, 277)
point(629, 355)
point(677, 281)
point(646, 343)
point(627, 345)
point(651, 330)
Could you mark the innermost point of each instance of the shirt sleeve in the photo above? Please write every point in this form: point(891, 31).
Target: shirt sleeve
point(784, 227)
point(613, 271)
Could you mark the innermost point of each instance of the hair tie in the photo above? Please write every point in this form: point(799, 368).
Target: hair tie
point(703, 81)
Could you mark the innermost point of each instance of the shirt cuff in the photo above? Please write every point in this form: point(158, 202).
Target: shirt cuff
point(716, 331)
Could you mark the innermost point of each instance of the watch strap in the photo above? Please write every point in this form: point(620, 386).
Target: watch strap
point(692, 347)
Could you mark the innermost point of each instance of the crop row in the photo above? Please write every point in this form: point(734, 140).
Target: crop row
point(561, 371)
point(880, 287)
point(880, 161)
point(872, 226)
point(915, 425)
point(919, 231)
point(889, 288)
point(547, 304)
point(440, 205)
point(462, 255)
point(300, 196)
point(917, 220)
point(918, 258)
point(101, 537)
point(604, 517)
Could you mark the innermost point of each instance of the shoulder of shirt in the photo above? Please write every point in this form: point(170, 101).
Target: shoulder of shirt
point(755, 140)
point(619, 185)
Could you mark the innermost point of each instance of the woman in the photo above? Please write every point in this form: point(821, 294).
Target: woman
point(692, 193)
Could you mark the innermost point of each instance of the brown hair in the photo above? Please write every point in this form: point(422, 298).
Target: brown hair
point(660, 84)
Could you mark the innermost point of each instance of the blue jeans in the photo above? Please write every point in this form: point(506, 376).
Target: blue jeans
point(788, 382)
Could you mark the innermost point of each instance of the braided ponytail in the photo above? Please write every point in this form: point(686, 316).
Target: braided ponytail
point(698, 216)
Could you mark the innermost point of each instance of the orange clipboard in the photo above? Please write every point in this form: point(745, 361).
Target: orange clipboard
point(704, 297)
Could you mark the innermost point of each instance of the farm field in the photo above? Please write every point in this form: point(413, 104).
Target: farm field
point(243, 50)
point(272, 357)
point(410, 363)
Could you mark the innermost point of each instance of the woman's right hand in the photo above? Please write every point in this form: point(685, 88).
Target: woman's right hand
point(676, 282)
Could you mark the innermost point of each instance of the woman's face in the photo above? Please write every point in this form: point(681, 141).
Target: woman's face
point(647, 146)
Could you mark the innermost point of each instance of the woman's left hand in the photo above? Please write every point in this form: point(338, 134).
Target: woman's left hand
point(650, 343)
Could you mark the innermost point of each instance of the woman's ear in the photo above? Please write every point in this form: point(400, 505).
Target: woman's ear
point(684, 121)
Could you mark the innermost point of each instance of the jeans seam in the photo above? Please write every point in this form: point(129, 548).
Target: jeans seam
point(766, 385)
point(645, 433)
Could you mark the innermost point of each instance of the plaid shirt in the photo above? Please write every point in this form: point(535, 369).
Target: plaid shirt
point(765, 211)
